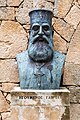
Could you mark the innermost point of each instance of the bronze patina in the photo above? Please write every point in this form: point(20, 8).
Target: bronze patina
point(40, 67)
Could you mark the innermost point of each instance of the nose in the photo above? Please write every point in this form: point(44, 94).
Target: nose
point(40, 31)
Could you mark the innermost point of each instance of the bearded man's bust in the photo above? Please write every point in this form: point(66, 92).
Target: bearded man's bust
point(39, 66)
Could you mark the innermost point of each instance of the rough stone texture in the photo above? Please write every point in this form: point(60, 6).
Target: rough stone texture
point(62, 7)
point(14, 113)
point(73, 55)
point(79, 2)
point(6, 116)
point(8, 71)
point(59, 43)
point(7, 87)
point(45, 104)
point(2, 3)
point(72, 65)
point(14, 2)
point(26, 113)
point(71, 74)
point(28, 4)
point(74, 94)
point(75, 112)
point(43, 4)
point(7, 13)
point(73, 17)
point(8, 97)
point(22, 12)
point(4, 106)
point(13, 39)
point(64, 29)
point(22, 15)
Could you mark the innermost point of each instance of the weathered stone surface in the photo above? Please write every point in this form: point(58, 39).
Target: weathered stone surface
point(23, 97)
point(8, 71)
point(4, 106)
point(13, 39)
point(73, 54)
point(43, 4)
point(7, 87)
point(79, 2)
point(71, 74)
point(40, 104)
point(59, 43)
point(75, 112)
point(73, 17)
point(14, 2)
point(28, 4)
point(5, 94)
point(6, 116)
point(22, 13)
point(8, 97)
point(64, 29)
point(72, 66)
point(7, 13)
point(74, 94)
point(2, 3)
point(26, 113)
point(15, 113)
point(62, 7)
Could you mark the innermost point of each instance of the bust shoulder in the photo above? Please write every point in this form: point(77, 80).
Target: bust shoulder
point(21, 57)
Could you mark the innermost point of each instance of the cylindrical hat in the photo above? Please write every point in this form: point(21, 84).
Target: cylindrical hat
point(41, 16)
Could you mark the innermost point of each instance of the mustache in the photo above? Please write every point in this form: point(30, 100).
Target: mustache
point(40, 38)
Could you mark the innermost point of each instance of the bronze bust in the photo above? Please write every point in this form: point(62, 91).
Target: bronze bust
point(39, 66)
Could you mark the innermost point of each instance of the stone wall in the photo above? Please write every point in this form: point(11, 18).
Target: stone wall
point(14, 29)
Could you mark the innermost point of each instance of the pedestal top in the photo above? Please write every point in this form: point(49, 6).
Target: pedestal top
point(62, 89)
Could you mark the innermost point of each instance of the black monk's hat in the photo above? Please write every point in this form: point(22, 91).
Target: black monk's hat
point(40, 16)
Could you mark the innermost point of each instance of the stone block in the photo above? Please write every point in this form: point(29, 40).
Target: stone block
point(72, 65)
point(40, 104)
point(7, 87)
point(14, 113)
point(59, 43)
point(64, 29)
point(8, 71)
point(43, 4)
point(14, 2)
point(73, 17)
point(6, 116)
point(4, 106)
point(7, 13)
point(74, 94)
point(8, 97)
point(62, 7)
point(13, 39)
point(2, 3)
point(75, 112)
point(22, 15)
point(79, 2)
point(73, 55)
point(28, 4)
point(71, 74)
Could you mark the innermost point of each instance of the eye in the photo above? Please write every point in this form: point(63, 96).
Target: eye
point(46, 27)
point(35, 28)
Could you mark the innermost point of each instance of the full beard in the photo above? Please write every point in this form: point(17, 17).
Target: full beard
point(40, 52)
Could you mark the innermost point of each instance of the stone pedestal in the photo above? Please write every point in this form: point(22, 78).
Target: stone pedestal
point(40, 104)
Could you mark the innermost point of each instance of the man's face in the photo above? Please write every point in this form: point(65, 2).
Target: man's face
point(40, 42)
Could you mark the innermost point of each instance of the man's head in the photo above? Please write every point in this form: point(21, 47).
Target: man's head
point(40, 47)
